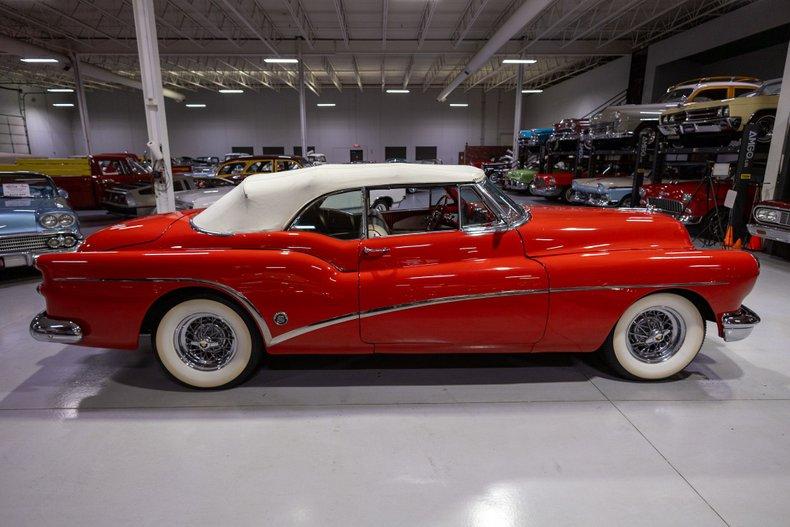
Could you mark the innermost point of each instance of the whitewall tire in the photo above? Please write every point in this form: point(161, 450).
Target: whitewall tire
point(207, 343)
point(656, 337)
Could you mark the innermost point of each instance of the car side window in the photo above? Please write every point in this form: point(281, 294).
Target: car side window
point(231, 168)
point(338, 215)
point(260, 167)
point(475, 212)
point(711, 94)
point(402, 210)
point(286, 164)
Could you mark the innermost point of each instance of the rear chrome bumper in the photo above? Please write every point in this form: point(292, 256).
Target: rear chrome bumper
point(48, 329)
point(545, 191)
point(737, 325)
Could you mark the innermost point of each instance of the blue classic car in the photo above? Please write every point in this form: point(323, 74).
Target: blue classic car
point(35, 218)
point(535, 136)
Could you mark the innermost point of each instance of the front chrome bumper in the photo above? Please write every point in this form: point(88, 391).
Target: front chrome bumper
point(47, 329)
point(545, 191)
point(770, 233)
point(737, 325)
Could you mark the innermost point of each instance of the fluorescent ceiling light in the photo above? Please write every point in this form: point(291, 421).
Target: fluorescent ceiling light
point(195, 105)
point(458, 105)
point(651, 113)
point(276, 60)
point(63, 105)
point(531, 91)
point(325, 104)
point(397, 91)
point(36, 61)
point(231, 91)
point(60, 90)
point(519, 61)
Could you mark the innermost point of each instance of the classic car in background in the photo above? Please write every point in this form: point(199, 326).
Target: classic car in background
point(606, 191)
point(86, 178)
point(238, 169)
point(204, 192)
point(140, 199)
point(518, 179)
point(555, 185)
point(567, 134)
point(535, 136)
point(628, 120)
point(497, 170)
point(723, 121)
point(320, 271)
point(314, 158)
point(35, 218)
point(771, 220)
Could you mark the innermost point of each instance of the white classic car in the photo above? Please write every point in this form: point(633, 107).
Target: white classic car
point(140, 200)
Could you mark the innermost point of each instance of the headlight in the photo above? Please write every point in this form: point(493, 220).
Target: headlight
point(767, 215)
point(49, 220)
point(53, 243)
point(686, 197)
point(66, 220)
point(69, 241)
point(723, 111)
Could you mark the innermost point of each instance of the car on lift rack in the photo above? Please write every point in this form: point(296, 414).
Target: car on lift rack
point(35, 219)
point(611, 189)
point(321, 271)
point(627, 121)
point(565, 148)
point(236, 170)
point(723, 121)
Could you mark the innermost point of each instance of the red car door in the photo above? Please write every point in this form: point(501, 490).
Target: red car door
point(454, 290)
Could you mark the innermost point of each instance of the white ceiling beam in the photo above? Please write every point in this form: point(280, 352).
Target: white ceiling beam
point(600, 16)
point(467, 20)
point(528, 11)
point(564, 10)
point(341, 20)
point(385, 6)
point(332, 74)
point(409, 71)
point(427, 15)
point(242, 19)
point(357, 76)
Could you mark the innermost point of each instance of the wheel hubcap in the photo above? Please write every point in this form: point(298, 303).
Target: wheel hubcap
point(205, 342)
point(656, 334)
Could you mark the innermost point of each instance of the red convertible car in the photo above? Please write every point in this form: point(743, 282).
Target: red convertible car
point(302, 263)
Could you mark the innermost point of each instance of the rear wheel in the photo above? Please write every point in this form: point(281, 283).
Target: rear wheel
point(208, 343)
point(656, 337)
point(566, 196)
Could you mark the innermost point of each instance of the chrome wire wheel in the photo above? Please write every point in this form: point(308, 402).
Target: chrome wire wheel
point(205, 341)
point(655, 334)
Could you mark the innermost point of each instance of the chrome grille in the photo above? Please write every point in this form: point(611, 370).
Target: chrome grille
point(23, 243)
point(703, 114)
point(115, 197)
point(672, 206)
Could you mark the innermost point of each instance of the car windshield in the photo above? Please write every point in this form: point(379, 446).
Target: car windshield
point(511, 211)
point(26, 186)
point(678, 95)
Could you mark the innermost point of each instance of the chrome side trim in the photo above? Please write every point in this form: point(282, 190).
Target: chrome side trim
point(251, 309)
point(634, 286)
point(738, 325)
point(45, 329)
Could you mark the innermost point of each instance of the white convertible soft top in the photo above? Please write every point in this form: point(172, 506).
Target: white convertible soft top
point(267, 202)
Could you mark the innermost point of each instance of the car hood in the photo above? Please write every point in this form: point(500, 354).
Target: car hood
point(605, 182)
point(677, 190)
point(20, 215)
point(607, 115)
point(561, 230)
point(130, 233)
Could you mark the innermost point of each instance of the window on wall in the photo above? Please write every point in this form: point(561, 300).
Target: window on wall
point(241, 150)
point(394, 152)
point(298, 150)
point(273, 150)
point(424, 153)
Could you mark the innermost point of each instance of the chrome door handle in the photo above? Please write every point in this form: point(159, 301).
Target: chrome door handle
point(375, 251)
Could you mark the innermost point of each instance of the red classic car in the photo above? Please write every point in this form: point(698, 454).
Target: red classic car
point(301, 263)
point(552, 185)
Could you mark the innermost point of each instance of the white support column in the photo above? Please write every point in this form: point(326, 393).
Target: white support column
point(517, 110)
point(151, 77)
point(82, 106)
point(302, 109)
point(775, 153)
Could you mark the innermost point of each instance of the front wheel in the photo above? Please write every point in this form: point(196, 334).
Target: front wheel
point(656, 337)
point(207, 343)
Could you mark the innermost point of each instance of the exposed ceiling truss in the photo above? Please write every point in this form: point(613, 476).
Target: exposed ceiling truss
point(213, 44)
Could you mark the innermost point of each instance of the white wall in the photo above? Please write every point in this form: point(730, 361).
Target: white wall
point(371, 119)
point(578, 96)
point(49, 129)
point(748, 20)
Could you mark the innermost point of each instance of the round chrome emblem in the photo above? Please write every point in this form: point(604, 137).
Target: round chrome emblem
point(280, 318)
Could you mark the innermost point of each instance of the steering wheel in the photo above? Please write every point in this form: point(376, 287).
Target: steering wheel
point(440, 216)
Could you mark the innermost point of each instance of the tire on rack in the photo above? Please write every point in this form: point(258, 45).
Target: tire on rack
point(766, 121)
point(207, 342)
point(566, 196)
point(655, 338)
